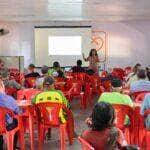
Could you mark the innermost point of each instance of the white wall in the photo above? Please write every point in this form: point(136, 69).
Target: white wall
point(128, 42)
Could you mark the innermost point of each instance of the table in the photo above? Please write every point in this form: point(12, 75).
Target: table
point(27, 105)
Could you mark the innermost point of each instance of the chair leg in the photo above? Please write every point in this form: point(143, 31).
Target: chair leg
point(62, 136)
point(21, 140)
point(40, 137)
point(83, 101)
point(148, 140)
point(10, 141)
point(70, 131)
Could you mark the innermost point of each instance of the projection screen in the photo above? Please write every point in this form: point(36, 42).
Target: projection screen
point(62, 44)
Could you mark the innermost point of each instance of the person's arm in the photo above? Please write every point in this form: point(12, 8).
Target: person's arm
point(15, 85)
point(112, 139)
point(12, 104)
point(85, 59)
point(145, 104)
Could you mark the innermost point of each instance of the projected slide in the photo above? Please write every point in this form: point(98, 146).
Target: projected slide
point(65, 45)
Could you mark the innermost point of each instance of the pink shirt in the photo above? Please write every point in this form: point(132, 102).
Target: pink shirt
point(93, 63)
point(99, 139)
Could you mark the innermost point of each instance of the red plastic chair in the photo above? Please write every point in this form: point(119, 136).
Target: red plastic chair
point(140, 97)
point(27, 94)
point(104, 73)
point(135, 94)
point(48, 117)
point(30, 82)
point(76, 91)
point(138, 128)
point(119, 73)
point(107, 85)
point(121, 111)
point(16, 75)
point(128, 70)
point(85, 145)
point(11, 91)
point(10, 134)
point(94, 81)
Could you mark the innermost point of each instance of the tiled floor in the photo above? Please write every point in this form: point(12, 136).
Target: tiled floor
point(79, 117)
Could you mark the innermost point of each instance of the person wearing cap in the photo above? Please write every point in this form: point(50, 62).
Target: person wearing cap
point(53, 96)
point(56, 71)
point(9, 83)
point(32, 72)
point(142, 84)
point(78, 67)
point(3, 69)
point(39, 81)
point(116, 96)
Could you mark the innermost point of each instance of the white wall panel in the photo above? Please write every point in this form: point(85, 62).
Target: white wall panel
point(128, 42)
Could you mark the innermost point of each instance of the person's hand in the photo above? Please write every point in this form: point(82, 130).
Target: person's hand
point(88, 121)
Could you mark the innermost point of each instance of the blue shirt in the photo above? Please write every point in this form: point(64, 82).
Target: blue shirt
point(145, 106)
point(140, 85)
point(9, 102)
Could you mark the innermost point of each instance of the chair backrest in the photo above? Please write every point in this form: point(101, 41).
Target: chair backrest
point(121, 111)
point(140, 97)
point(48, 113)
point(3, 113)
point(27, 94)
point(30, 82)
point(16, 75)
point(118, 72)
point(135, 94)
point(84, 144)
point(10, 91)
point(75, 89)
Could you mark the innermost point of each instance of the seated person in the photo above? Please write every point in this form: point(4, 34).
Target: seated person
point(39, 81)
point(142, 84)
point(132, 77)
point(103, 134)
point(146, 106)
point(32, 72)
point(78, 68)
point(116, 96)
point(10, 83)
point(51, 95)
point(9, 102)
point(56, 71)
point(3, 69)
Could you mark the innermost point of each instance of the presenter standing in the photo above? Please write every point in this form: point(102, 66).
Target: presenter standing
point(93, 60)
